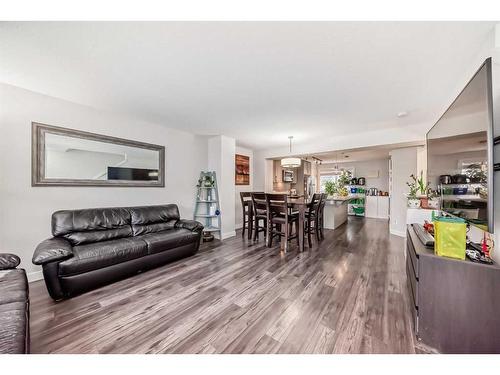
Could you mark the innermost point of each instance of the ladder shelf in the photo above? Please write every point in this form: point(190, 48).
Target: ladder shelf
point(207, 208)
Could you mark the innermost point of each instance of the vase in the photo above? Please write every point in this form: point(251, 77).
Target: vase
point(413, 203)
point(433, 203)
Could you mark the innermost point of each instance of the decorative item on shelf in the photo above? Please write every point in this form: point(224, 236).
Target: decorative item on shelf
point(413, 201)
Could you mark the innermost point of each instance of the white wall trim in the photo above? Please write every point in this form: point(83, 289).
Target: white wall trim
point(397, 232)
point(34, 276)
point(238, 226)
point(228, 235)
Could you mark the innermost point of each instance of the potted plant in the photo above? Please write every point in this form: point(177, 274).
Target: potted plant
point(413, 201)
point(433, 199)
point(330, 188)
point(343, 180)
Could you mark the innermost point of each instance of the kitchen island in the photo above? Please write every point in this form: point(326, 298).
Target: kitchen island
point(335, 212)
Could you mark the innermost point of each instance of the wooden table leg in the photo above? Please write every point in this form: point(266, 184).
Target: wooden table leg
point(302, 213)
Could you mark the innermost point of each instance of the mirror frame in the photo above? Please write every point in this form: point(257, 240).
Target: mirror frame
point(38, 178)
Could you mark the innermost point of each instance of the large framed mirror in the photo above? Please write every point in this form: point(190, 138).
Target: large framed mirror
point(68, 157)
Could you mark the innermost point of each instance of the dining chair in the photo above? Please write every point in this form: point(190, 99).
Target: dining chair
point(321, 215)
point(259, 214)
point(312, 215)
point(279, 219)
point(247, 213)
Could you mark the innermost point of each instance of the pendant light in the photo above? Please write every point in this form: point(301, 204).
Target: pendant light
point(291, 162)
point(336, 166)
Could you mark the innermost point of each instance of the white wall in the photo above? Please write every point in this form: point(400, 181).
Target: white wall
point(221, 151)
point(25, 211)
point(404, 163)
point(241, 188)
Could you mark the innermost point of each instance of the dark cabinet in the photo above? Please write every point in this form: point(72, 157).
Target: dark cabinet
point(455, 304)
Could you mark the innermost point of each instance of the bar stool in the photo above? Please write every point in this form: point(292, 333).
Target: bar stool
point(259, 214)
point(321, 215)
point(278, 218)
point(247, 208)
point(312, 217)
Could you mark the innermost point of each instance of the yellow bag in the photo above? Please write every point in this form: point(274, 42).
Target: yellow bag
point(450, 237)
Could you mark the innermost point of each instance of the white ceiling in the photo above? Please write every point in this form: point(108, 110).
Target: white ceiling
point(256, 81)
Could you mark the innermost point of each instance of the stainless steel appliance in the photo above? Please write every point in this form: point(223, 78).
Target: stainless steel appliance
point(309, 186)
point(287, 175)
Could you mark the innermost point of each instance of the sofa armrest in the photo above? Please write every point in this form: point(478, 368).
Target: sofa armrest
point(52, 250)
point(191, 225)
point(8, 261)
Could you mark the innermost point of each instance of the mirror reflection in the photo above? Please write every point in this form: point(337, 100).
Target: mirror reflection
point(83, 159)
point(457, 151)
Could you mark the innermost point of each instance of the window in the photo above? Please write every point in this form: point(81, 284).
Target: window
point(331, 177)
point(325, 178)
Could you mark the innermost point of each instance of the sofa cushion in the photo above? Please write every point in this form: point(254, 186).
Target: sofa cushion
point(13, 286)
point(13, 323)
point(98, 255)
point(9, 261)
point(13, 311)
point(169, 239)
point(91, 225)
point(152, 219)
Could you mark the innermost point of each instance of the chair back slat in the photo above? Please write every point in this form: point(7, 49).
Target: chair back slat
point(245, 197)
point(259, 201)
point(277, 204)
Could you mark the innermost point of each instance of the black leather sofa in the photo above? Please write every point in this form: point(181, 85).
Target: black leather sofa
point(14, 307)
point(93, 247)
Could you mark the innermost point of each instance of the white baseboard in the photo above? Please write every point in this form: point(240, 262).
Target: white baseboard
point(238, 226)
point(397, 232)
point(228, 235)
point(34, 276)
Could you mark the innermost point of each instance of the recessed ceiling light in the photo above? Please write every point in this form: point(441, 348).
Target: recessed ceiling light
point(402, 114)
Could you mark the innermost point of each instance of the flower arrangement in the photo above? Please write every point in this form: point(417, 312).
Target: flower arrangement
point(417, 185)
point(413, 186)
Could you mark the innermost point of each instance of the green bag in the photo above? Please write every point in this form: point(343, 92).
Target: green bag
point(450, 237)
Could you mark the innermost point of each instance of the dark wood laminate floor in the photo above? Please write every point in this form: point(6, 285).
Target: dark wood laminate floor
point(346, 294)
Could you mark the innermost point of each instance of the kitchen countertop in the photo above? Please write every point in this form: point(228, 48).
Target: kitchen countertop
point(340, 199)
